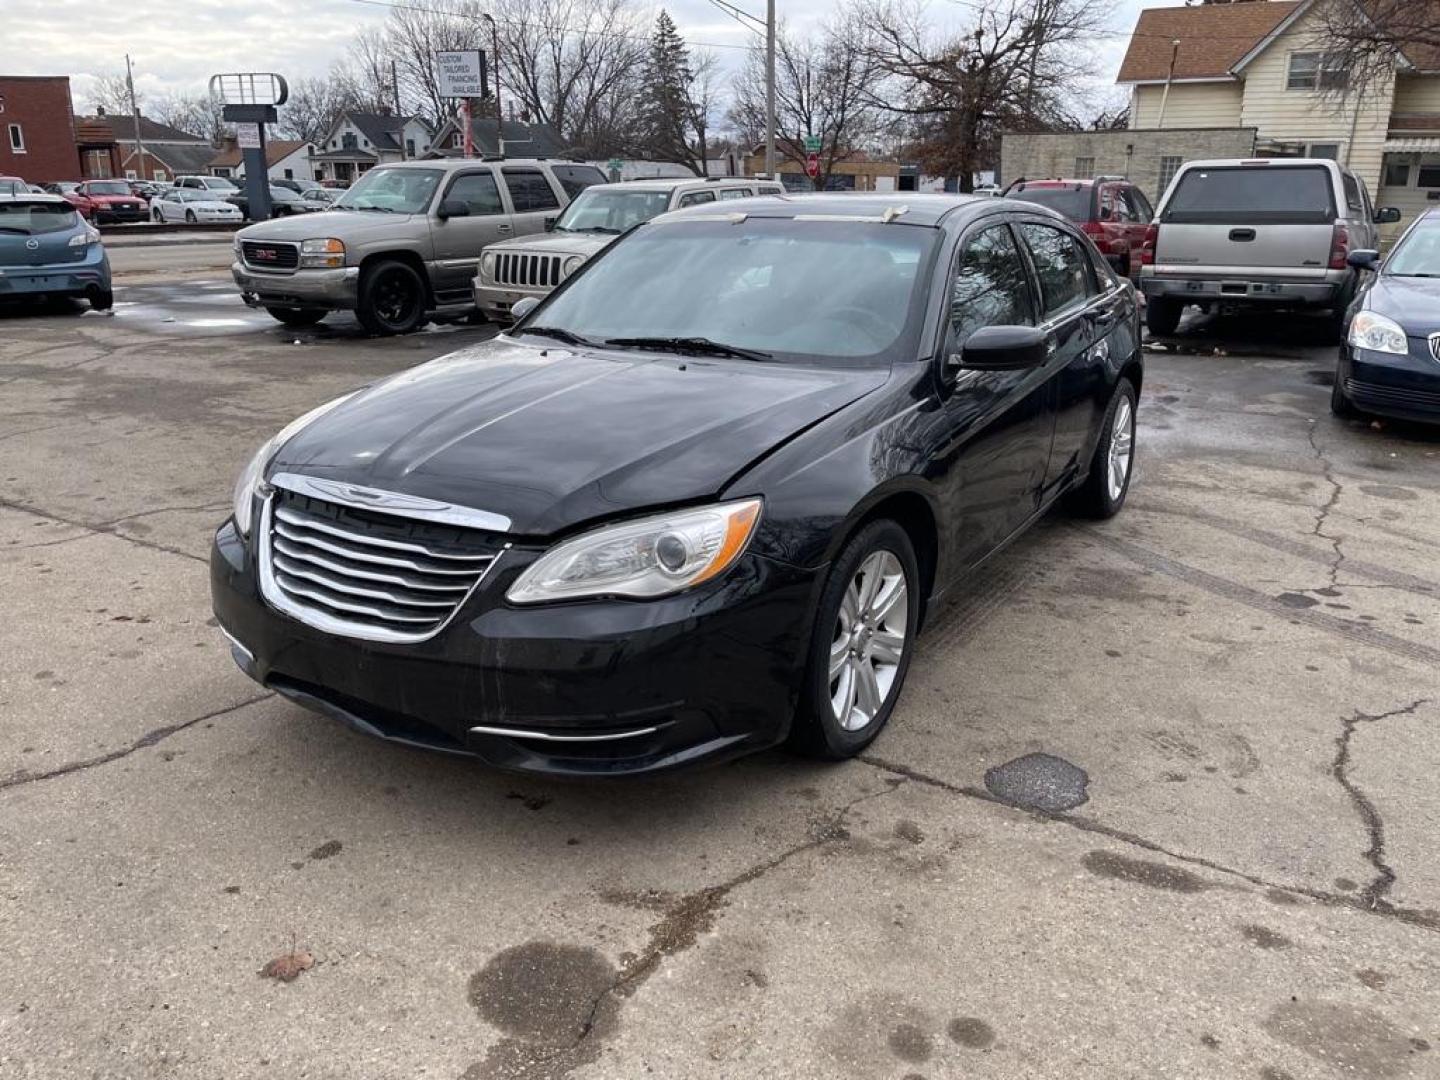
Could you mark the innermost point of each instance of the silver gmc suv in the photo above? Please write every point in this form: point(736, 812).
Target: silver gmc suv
point(514, 269)
point(402, 242)
point(1269, 232)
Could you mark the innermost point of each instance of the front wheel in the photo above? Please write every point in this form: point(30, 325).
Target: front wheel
point(156, 216)
point(861, 645)
point(1102, 493)
point(392, 299)
point(190, 217)
point(297, 318)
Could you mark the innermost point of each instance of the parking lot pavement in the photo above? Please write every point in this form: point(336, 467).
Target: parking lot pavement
point(1159, 799)
point(165, 260)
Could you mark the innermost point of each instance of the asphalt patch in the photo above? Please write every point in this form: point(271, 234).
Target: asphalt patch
point(1039, 782)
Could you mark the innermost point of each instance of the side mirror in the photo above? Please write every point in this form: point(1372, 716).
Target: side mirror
point(522, 307)
point(1363, 259)
point(1387, 215)
point(449, 208)
point(1003, 348)
point(550, 224)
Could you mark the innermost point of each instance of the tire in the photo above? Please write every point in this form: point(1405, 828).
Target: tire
point(157, 217)
point(190, 217)
point(1162, 315)
point(103, 300)
point(817, 730)
point(392, 299)
point(297, 318)
point(1099, 496)
point(1341, 405)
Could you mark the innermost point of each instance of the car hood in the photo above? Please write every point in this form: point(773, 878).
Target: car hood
point(343, 224)
point(115, 200)
point(1412, 302)
point(555, 437)
point(209, 204)
point(565, 243)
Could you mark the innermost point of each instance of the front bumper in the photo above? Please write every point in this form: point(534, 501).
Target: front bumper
point(496, 302)
point(120, 215)
point(84, 278)
point(1241, 290)
point(1402, 387)
point(329, 289)
point(602, 688)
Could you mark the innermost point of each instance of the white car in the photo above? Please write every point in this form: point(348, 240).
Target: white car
point(221, 186)
point(192, 205)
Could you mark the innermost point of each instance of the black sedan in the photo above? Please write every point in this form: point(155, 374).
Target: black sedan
point(283, 202)
point(698, 502)
point(1390, 361)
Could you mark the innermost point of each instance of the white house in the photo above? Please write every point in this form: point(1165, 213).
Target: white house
point(285, 159)
point(360, 141)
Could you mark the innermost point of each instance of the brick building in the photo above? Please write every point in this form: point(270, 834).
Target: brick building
point(37, 129)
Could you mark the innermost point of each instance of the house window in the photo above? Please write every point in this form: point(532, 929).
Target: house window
point(17, 139)
point(289, 174)
point(1084, 168)
point(347, 140)
point(1169, 166)
point(1397, 174)
point(1328, 150)
point(1429, 174)
point(1315, 71)
point(410, 148)
point(130, 174)
point(160, 176)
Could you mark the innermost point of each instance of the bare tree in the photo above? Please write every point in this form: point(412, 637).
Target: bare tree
point(363, 77)
point(1369, 39)
point(823, 88)
point(110, 93)
point(315, 105)
point(1016, 66)
point(416, 35)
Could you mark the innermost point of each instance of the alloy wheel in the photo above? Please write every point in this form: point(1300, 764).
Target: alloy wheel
point(1122, 445)
point(869, 641)
point(394, 299)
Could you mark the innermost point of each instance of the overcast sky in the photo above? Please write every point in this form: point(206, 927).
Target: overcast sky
point(177, 45)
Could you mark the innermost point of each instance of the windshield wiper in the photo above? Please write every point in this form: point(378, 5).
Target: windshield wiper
point(381, 209)
point(599, 229)
point(559, 333)
point(1419, 274)
point(697, 345)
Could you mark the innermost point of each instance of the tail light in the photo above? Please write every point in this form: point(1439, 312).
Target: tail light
point(1096, 232)
point(1339, 247)
point(1152, 241)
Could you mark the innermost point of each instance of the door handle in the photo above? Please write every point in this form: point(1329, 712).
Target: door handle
point(503, 228)
point(1242, 236)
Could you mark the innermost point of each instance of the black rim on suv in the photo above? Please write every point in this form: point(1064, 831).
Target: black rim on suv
point(397, 301)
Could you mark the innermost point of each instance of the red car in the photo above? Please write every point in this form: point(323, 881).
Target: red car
point(106, 201)
point(1111, 210)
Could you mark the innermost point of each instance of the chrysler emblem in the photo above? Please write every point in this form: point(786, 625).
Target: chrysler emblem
point(32, 244)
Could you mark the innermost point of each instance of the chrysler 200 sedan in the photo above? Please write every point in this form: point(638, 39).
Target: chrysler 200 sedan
point(701, 499)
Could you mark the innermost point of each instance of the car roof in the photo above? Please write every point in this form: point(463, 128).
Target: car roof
point(34, 196)
point(670, 183)
point(909, 207)
point(1221, 163)
point(460, 163)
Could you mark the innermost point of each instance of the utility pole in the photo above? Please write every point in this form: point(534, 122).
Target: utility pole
point(399, 117)
point(770, 89)
point(135, 112)
point(495, 75)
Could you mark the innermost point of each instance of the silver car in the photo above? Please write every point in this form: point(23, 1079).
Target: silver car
point(1272, 232)
point(524, 267)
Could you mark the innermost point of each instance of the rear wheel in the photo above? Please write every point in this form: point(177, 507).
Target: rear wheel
point(1162, 315)
point(190, 217)
point(156, 216)
point(392, 299)
point(296, 317)
point(101, 299)
point(861, 645)
point(1103, 492)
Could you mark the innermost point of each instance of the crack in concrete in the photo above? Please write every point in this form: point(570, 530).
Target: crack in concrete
point(1424, 919)
point(101, 529)
point(1374, 894)
point(150, 738)
point(1322, 515)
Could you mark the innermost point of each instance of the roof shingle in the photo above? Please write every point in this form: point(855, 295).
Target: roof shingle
point(1213, 39)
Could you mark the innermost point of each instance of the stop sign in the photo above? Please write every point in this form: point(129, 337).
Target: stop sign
point(812, 165)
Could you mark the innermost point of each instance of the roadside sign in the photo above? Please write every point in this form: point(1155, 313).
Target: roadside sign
point(812, 144)
point(247, 136)
point(461, 74)
point(812, 166)
point(614, 164)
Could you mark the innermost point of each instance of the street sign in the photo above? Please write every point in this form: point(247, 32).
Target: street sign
point(812, 166)
point(247, 136)
point(461, 74)
point(812, 144)
point(614, 164)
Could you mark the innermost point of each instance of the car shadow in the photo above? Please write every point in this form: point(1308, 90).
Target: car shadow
point(1247, 332)
point(51, 306)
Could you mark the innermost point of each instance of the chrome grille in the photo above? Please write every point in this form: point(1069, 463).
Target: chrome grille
point(272, 255)
point(518, 268)
point(362, 573)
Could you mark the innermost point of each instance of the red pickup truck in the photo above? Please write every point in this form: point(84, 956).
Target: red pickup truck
point(1112, 211)
point(106, 201)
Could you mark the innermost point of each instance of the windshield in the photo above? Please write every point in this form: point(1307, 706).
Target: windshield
point(109, 187)
point(610, 210)
point(831, 289)
point(1418, 255)
point(220, 183)
point(283, 194)
point(23, 218)
point(1073, 202)
point(398, 191)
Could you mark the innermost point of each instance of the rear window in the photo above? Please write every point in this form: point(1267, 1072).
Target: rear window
point(1256, 194)
point(24, 218)
point(1072, 201)
point(576, 178)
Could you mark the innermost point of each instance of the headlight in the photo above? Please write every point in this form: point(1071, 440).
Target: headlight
point(572, 264)
point(326, 252)
point(1377, 333)
point(251, 483)
point(487, 265)
point(647, 558)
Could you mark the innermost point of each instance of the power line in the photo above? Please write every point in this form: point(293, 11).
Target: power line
point(740, 15)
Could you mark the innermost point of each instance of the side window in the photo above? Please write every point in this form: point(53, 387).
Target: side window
point(991, 287)
point(530, 191)
point(1352, 194)
point(694, 198)
point(735, 193)
point(1139, 206)
point(576, 178)
point(1111, 206)
point(1061, 266)
point(478, 191)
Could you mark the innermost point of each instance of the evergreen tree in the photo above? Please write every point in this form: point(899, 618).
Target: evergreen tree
point(667, 113)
